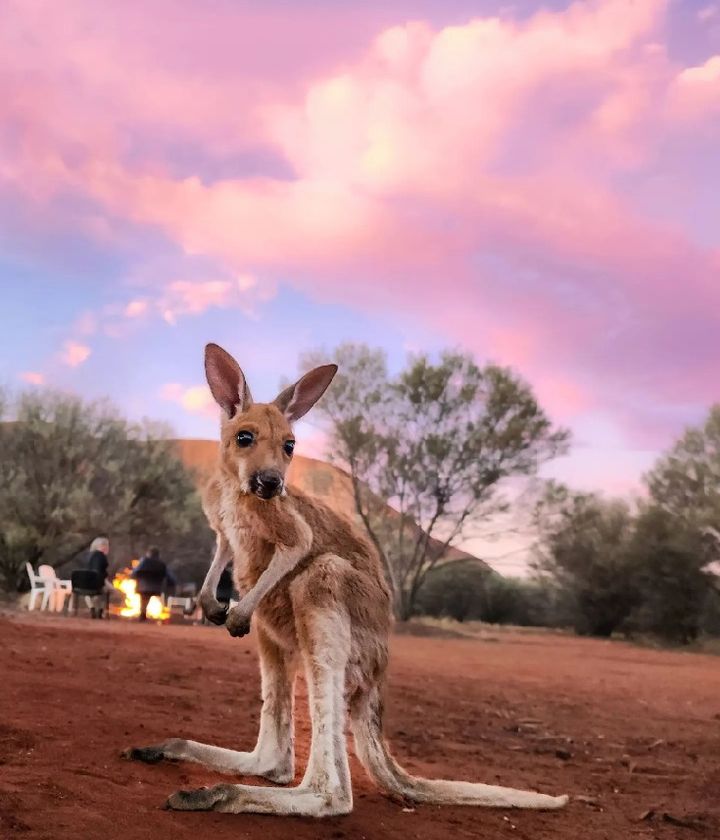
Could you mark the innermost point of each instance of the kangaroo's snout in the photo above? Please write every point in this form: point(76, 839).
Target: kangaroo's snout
point(266, 483)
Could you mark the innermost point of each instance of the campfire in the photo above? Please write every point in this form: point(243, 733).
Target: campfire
point(131, 608)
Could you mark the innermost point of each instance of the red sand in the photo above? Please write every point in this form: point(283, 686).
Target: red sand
point(630, 730)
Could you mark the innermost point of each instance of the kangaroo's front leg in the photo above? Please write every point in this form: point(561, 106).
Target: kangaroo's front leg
point(238, 618)
point(212, 609)
point(284, 560)
point(273, 756)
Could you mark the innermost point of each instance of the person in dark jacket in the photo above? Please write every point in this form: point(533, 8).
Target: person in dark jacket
point(152, 575)
point(98, 563)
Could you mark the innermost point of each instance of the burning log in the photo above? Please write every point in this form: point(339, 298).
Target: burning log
point(132, 606)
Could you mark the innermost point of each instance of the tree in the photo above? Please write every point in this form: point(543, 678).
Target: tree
point(186, 541)
point(454, 590)
point(686, 481)
point(671, 563)
point(465, 590)
point(584, 548)
point(679, 533)
point(428, 451)
point(524, 602)
point(72, 470)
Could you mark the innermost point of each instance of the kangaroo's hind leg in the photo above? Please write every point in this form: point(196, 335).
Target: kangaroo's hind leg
point(325, 789)
point(274, 754)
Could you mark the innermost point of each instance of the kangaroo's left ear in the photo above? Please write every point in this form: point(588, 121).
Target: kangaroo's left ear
point(226, 380)
point(296, 400)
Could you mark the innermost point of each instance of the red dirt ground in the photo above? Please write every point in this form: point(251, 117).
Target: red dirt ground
point(629, 730)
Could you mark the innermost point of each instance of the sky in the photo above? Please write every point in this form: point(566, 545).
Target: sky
point(536, 184)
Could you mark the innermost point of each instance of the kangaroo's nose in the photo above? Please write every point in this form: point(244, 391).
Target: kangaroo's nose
point(266, 483)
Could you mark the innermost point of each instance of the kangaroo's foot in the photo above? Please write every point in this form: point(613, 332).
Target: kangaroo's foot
point(274, 766)
point(237, 799)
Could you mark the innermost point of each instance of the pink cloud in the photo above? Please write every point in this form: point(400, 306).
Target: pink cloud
point(696, 90)
point(707, 13)
point(461, 90)
point(85, 324)
point(195, 399)
point(353, 143)
point(136, 308)
point(191, 297)
point(489, 179)
point(32, 377)
point(172, 299)
point(74, 353)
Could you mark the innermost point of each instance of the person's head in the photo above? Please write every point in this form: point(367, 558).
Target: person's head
point(100, 544)
point(154, 553)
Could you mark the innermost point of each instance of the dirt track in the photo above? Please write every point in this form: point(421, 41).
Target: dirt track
point(629, 729)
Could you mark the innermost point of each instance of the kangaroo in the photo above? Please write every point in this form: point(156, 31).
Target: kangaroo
point(316, 591)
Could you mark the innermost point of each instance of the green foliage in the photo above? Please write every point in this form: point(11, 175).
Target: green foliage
point(72, 470)
point(437, 441)
point(671, 560)
point(679, 535)
point(467, 591)
point(686, 481)
point(602, 567)
point(523, 602)
point(647, 572)
point(710, 615)
point(455, 590)
point(584, 550)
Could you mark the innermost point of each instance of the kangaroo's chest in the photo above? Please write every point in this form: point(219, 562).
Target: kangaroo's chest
point(250, 556)
point(252, 553)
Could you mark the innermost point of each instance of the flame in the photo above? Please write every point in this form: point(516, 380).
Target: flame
point(123, 582)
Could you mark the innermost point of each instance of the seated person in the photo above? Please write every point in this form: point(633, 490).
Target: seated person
point(98, 563)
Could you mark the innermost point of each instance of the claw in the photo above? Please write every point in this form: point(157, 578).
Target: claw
point(199, 799)
point(218, 617)
point(150, 755)
point(239, 630)
point(238, 623)
point(213, 610)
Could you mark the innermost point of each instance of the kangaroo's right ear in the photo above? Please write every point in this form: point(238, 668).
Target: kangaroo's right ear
point(298, 399)
point(226, 380)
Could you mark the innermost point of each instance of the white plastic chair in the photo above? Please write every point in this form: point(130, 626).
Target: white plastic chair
point(56, 590)
point(187, 603)
point(39, 586)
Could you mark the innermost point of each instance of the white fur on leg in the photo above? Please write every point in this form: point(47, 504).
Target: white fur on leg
point(325, 789)
point(273, 756)
point(328, 770)
point(275, 749)
point(239, 799)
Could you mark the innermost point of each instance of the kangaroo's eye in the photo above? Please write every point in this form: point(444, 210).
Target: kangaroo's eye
point(244, 438)
point(289, 447)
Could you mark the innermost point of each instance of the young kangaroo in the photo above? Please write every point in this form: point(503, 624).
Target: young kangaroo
point(320, 600)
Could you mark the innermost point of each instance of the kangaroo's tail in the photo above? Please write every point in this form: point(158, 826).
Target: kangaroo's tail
point(366, 718)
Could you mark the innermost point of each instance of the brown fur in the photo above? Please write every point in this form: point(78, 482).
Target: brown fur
point(317, 590)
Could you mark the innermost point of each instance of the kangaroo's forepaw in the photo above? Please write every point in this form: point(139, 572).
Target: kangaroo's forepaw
point(238, 623)
point(200, 799)
point(150, 755)
point(214, 611)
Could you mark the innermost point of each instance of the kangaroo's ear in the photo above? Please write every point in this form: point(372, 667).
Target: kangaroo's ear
point(296, 400)
point(226, 380)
